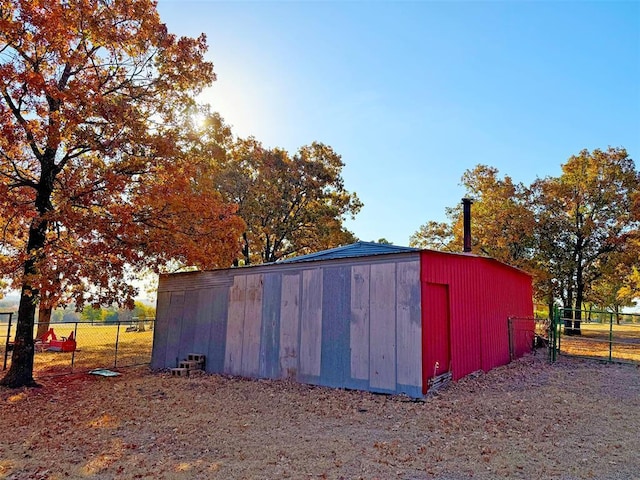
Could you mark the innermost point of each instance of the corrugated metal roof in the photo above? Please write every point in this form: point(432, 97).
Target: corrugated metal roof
point(358, 249)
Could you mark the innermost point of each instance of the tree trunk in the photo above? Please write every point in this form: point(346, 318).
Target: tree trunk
point(245, 248)
point(44, 318)
point(579, 298)
point(20, 373)
point(567, 312)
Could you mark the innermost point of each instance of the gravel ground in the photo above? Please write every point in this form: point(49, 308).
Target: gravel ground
point(577, 419)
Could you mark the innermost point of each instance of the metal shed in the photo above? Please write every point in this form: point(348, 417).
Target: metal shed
point(366, 316)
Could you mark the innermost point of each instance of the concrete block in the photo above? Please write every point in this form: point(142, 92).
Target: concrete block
point(190, 365)
point(196, 357)
point(180, 372)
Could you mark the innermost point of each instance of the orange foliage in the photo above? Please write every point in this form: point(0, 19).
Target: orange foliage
point(93, 179)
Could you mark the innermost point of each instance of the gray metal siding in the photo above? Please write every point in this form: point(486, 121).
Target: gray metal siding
point(311, 325)
point(382, 330)
point(408, 323)
point(219, 300)
point(179, 282)
point(335, 355)
point(174, 330)
point(353, 323)
point(270, 334)
point(202, 321)
point(288, 361)
point(160, 331)
point(188, 327)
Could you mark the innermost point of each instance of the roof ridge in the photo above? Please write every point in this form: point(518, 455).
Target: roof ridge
point(352, 250)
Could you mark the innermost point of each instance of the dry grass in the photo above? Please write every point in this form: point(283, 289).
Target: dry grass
point(95, 348)
point(577, 419)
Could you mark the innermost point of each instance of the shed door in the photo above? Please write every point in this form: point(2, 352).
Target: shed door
point(436, 345)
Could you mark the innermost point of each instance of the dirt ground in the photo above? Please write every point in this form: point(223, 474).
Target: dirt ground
point(577, 419)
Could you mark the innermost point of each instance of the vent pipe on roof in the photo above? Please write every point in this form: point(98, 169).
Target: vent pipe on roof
point(466, 218)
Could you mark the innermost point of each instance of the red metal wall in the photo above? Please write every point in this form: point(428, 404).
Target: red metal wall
point(483, 293)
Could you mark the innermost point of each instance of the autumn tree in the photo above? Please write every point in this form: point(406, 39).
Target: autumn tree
point(591, 205)
point(618, 283)
point(613, 291)
point(437, 235)
point(502, 222)
point(93, 183)
point(291, 204)
point(570, 232)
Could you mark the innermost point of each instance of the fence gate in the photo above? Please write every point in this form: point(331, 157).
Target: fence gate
point(597, 334)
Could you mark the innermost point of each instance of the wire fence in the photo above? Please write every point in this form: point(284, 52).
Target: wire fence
point(596, 334)
point(527, 335)
point(83, 346)
point(609, 336)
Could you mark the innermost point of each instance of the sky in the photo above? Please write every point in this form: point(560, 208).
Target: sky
point(412, 94)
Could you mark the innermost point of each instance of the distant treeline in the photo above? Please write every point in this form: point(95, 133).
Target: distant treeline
point(103, 315)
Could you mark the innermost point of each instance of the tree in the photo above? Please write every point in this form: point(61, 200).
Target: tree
point(592, 205)
point(436, 236)
point(291, 204)
point(617, 285)
point(93, 184)
point(93, 315)
point(501, 220)
point(569, 231)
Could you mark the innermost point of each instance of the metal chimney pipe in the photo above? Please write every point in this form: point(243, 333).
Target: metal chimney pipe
point(466, 218)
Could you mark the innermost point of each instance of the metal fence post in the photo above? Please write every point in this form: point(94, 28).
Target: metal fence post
point(73, 353)
point(6, 346)
point(551, 336)
point(556, 332)
point(610, 335)
point(115, 358)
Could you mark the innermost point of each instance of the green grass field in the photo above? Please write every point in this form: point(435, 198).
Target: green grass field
point(95, 348)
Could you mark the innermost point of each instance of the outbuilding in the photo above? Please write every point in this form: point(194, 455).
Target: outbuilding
point(364, 316)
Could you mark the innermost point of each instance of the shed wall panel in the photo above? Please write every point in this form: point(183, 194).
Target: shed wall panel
point(311, 322)
point(382, 363)
point(408, 324)
point(180, 282)
point(235, 326)
point(335, 355)
point(219, 299)
point(460, 274)
point(512, 296)
point(436, 331)
point(202, 324)
point(161, 331)
point(176, 310)
point(189, 316)
point(483, 294)
point(289, 325)
point(252, 327)
point(359, 325)
point(270, 335)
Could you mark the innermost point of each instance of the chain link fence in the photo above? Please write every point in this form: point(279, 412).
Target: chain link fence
point(82, 346)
